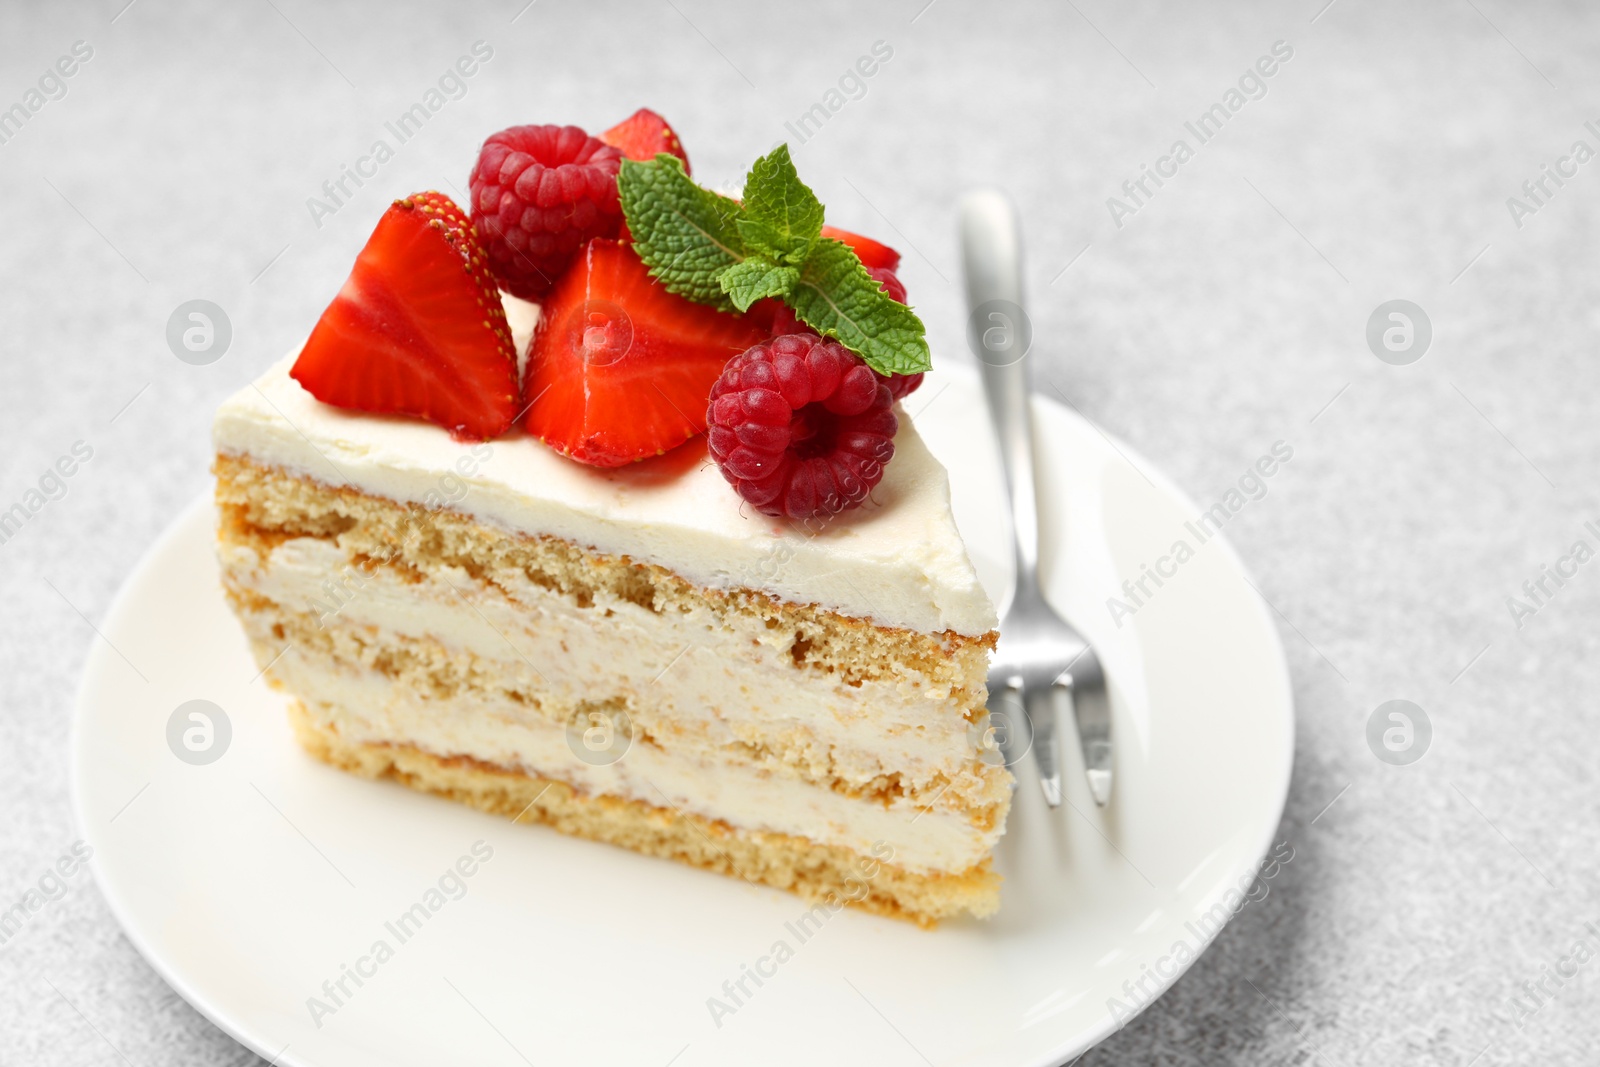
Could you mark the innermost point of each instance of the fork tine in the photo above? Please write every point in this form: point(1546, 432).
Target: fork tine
point(1009, 720)
point(1041, 705)
point(1084, 683)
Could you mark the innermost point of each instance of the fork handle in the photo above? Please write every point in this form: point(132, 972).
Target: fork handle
point(999, 332)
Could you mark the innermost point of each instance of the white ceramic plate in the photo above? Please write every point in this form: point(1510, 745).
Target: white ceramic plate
point(249, 882)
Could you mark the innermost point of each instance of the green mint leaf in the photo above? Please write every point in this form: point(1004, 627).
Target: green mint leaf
point(782, 216)
point(756, 277)
point(837, 297)
point(715, 251)
point(686, 235)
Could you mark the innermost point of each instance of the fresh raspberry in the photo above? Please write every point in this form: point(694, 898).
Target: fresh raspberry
point(901, 385)
point(886, 277)
point(540, 193)
point(801, 427)
point(784, 320)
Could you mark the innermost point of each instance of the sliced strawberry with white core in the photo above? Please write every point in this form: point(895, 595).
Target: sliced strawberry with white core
point(620, 368)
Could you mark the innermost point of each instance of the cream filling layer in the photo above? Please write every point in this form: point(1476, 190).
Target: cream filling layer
point(366, 707)
point(702, 690)
point(897, 561)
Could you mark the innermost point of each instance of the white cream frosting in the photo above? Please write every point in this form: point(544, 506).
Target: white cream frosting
point(369, 709)
point(710, 686)
point(736, 732)
point(897, 561)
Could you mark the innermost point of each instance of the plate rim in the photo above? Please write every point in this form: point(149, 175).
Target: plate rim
point(118, 907)
point(1162, 481)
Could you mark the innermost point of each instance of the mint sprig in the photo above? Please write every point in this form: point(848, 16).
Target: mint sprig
point(727, 254)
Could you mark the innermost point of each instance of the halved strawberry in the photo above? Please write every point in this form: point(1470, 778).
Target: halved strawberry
point(418, 328)
point(643, 134)
point(872, 253)
point(620, 368)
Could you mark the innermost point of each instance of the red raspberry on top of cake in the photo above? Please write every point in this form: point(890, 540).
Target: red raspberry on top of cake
point(539, 193)
point(801, 427)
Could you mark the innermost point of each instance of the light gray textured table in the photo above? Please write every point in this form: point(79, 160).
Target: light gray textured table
point(1227, 312)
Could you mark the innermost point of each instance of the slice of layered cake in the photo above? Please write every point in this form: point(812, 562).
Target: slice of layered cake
point(453, 538)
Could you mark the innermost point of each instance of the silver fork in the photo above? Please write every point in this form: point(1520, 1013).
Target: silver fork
point(1042, 662)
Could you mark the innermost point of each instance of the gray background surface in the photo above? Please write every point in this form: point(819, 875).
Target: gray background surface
point(1229, 313)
